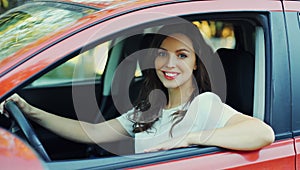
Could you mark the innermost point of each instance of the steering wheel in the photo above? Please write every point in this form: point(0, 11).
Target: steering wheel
point(15, 112)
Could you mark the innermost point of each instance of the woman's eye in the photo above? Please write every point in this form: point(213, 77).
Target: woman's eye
point(162, 54)
point(182, 56)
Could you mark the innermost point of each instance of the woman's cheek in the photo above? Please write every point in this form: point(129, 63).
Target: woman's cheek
point(158, 63)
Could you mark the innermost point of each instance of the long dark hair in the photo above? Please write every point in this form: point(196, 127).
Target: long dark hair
point(153, 95)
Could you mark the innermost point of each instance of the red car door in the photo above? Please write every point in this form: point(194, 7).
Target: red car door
point(272, 100)
point(292, 9)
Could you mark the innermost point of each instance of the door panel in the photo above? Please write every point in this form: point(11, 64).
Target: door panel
point(293, 31)
point(297, 148)
point(279, 155)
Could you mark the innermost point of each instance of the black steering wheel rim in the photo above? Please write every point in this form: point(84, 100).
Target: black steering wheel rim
point(27, 129)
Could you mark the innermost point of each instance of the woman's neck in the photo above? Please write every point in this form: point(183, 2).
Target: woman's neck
point(178, 96)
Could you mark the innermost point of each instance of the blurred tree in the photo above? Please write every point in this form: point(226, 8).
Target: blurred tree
point(4, 3)
point(8, 4)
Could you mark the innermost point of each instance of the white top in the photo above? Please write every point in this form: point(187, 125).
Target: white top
point(205, 112)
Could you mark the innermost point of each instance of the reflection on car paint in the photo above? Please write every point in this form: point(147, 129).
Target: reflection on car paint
point(15, 154)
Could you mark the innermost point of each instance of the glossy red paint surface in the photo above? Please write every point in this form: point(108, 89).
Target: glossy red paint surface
point(15, 154)
point(291, 6)
point(297, 148)
point(279, 155)
point(114, 4)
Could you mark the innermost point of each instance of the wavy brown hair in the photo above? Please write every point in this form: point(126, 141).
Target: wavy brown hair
point(149, 105)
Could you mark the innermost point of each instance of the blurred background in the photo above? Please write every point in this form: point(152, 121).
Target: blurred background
point(8, 4)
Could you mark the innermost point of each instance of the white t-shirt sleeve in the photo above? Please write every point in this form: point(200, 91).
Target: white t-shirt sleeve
point(126, 123)
point(211, 111)
point(228, 112)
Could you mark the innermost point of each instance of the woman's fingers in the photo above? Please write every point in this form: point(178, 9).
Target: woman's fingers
point(2, 107)
point(16, 98)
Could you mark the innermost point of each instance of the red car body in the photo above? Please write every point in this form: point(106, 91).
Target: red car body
point(113, 17)
point(15, 154)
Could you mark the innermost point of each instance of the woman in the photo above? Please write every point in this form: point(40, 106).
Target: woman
point(190, 115)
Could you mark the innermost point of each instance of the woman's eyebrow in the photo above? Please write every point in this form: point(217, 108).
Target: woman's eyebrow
point(180, 50)
point(183, 50)
point(160, 48)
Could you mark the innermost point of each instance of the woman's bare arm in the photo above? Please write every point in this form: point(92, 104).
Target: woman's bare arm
point(74, 130)
point(241, 132)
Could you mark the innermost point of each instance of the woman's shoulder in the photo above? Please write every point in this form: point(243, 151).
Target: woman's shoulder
point(208, 96)
point(209, 100)
point(206, 100)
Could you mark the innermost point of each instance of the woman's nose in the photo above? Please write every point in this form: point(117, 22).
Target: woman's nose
point(171, 60)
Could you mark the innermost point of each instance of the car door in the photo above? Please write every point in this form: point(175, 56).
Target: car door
point(292, 9)
point(271, 60)
point(267, 42)
point(258, 34)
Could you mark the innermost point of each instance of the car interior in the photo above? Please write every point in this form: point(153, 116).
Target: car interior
point(238, 61)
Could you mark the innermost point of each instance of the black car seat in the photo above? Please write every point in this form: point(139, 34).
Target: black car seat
point(119, 76)
point(239, 71)
point(125, 85)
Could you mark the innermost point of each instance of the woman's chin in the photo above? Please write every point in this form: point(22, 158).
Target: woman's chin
point(170, 85)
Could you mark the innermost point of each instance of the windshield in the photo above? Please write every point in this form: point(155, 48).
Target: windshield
point(25, 24)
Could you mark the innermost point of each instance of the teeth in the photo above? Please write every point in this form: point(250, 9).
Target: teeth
point(171, 74)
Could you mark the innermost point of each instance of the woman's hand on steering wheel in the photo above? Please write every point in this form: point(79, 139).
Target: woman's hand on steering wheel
point(22, 104)
point(15, 106)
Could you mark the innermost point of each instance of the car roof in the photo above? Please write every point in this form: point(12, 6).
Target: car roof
point(111, 4)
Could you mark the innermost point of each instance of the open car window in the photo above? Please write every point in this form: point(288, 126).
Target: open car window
point(91, 63)
point(86, 66)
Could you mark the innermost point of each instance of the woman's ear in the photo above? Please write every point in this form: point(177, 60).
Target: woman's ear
point(195, 67)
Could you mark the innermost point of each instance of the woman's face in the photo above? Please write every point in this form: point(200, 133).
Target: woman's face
point(176, 61)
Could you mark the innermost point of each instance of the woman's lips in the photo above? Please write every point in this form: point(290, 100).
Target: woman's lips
point(170, 75)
